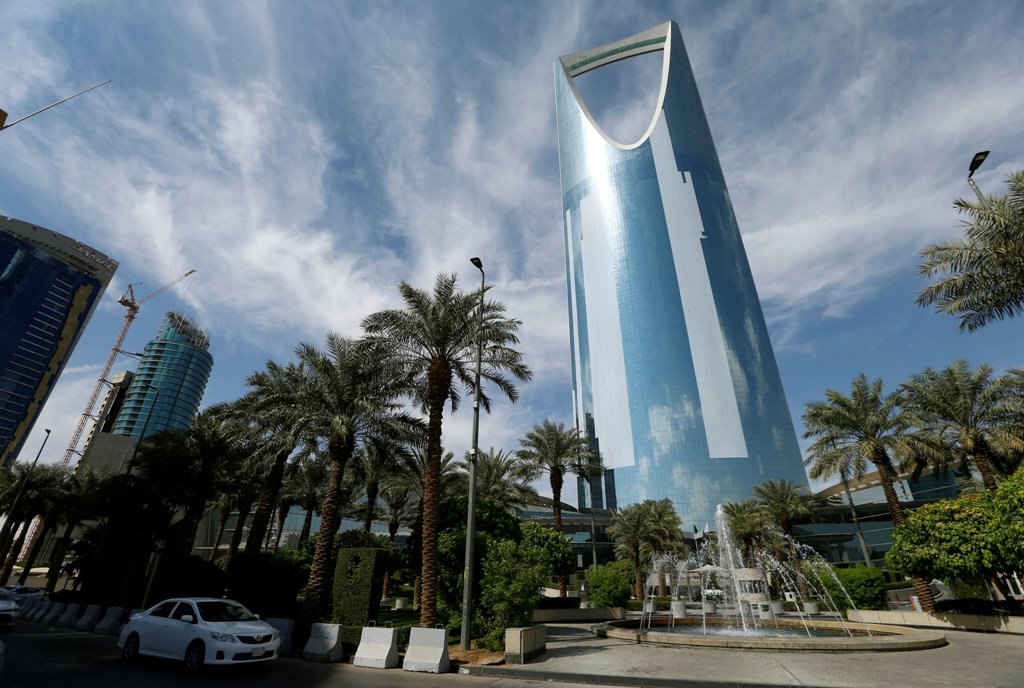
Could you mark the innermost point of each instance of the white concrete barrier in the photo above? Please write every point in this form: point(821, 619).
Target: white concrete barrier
point(324, 644)
point(110, 624)
point(50, 618)
point(29, 607)
point(39, 612)
point(427, 651)
point(523, 644)
point(69, 617)
point(286, 627)
point(90, 618)
point(378, 648)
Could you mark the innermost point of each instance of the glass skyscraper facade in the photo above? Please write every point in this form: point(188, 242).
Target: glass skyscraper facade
point(674, 378)
point(50, 285)
point(168, 385)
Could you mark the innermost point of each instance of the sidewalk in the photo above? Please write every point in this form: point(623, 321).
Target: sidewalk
point(974, 660)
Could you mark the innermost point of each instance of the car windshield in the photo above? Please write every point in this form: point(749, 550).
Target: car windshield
point(6, 596)
point(224, 611)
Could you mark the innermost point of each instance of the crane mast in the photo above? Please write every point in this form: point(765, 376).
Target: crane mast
point(128, 301)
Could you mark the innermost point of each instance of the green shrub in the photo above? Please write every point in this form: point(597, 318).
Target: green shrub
point(609, 585)
point(866, 587)
point(513, 574)
point(358, 581)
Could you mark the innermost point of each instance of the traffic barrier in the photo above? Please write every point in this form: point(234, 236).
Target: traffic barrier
point(111, 622)
point(29, 607)
point(324, 644)
point(90, 618)
point(428, 651)
point(523, 644)
point(39, 612)
point(70, 615)
point(286, 627)
point(55, 611)
point(378, 648)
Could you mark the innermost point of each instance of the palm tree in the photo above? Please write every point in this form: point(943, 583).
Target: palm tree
point(975, 418)
point(437, 336)
point(377, 461)
point(350, 397)
point(501, 477)
point(841, 464)
point(782, 501)
point(867, 426)
point(747, 522)
point(641, 530)
point(556, 450)
point(982, 275)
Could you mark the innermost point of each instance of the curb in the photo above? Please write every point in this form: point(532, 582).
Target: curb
point(604, 680)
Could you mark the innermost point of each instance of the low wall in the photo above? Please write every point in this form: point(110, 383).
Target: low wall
point(523, 644)
point(541, 616)
point(960, 622)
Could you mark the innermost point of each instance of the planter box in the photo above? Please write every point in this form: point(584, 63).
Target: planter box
point(812, 608)
point(710, 607)
point(573, 615)
point(962, 622)
point(523, 644)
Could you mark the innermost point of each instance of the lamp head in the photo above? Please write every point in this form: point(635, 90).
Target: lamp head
point(976, 162)
point(477, 262)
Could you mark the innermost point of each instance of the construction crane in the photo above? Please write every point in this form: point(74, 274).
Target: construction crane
point(128, 301)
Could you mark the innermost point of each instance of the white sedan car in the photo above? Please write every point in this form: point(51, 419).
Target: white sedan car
point(8, 609)
point(199, 630)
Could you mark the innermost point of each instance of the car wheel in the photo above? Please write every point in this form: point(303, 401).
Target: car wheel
point(130, 650)
point(195, 655)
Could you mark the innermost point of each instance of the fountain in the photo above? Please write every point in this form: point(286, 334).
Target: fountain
point(733, 607)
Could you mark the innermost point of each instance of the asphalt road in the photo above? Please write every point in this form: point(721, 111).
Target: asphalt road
point(43, 657)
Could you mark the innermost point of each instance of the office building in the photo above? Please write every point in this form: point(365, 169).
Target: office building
point(50, 285)
point(168, 384)
point(675, 381)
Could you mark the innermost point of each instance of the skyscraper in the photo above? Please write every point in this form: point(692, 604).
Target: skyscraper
point(168, 385)
point(675, 381)
point(50, 285)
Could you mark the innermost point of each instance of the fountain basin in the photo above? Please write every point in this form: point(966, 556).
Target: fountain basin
point(885, 638)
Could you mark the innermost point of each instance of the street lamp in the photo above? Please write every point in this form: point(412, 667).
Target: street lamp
point(467, 577)
point(29, 473)
point(975, 164)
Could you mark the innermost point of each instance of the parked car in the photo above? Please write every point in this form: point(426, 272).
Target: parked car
point(199, 630)
point(25, 593)
point(8, 609)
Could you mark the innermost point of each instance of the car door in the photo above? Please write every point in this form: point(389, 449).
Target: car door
point(179, 631)
point(153, 628)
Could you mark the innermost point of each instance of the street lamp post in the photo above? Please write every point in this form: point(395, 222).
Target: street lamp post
point(975, 164)
point(467, 577)
point(28, 473)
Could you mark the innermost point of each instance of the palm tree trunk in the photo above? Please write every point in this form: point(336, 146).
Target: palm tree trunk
point(556, 496)
point(265, 504)
point(57, 557)
point(439, 381)
point(307, 525)
point(318, 589)
point(223, 513)
point(6, 533)
point(12, 556)
point(417, 589)
point(980, 458)
point(34, 546)
point(887, 475)
point(244, 503)
point(372, 490)
point(856, 525)
point(282, 515)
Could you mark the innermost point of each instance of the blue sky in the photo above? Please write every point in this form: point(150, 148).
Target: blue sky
point(306, 156)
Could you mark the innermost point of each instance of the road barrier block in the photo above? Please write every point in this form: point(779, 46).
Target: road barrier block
point(324, 644)
point(55, 612)
point(378, 648)
point(69, 617)
point(110, 624)
point(286, 627)
point(90, 618)
point(39, 612)
point(428, 651)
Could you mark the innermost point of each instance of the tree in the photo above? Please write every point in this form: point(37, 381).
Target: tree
point(350, 396)
point(437, 336)
point(976, 419)
point(981, 276)
point(376, 461)
point(640, 530)
point(868, 426)
point(747, 522)
point(305, 486)
point(1009, 512)
point(500, 476)
point(782, 501)
point(948, 539)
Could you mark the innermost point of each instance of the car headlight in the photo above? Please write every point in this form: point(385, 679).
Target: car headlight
point(223, 637)
point(276, 635)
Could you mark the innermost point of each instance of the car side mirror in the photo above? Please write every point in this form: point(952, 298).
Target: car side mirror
point(188, 618)
point(257, 616)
